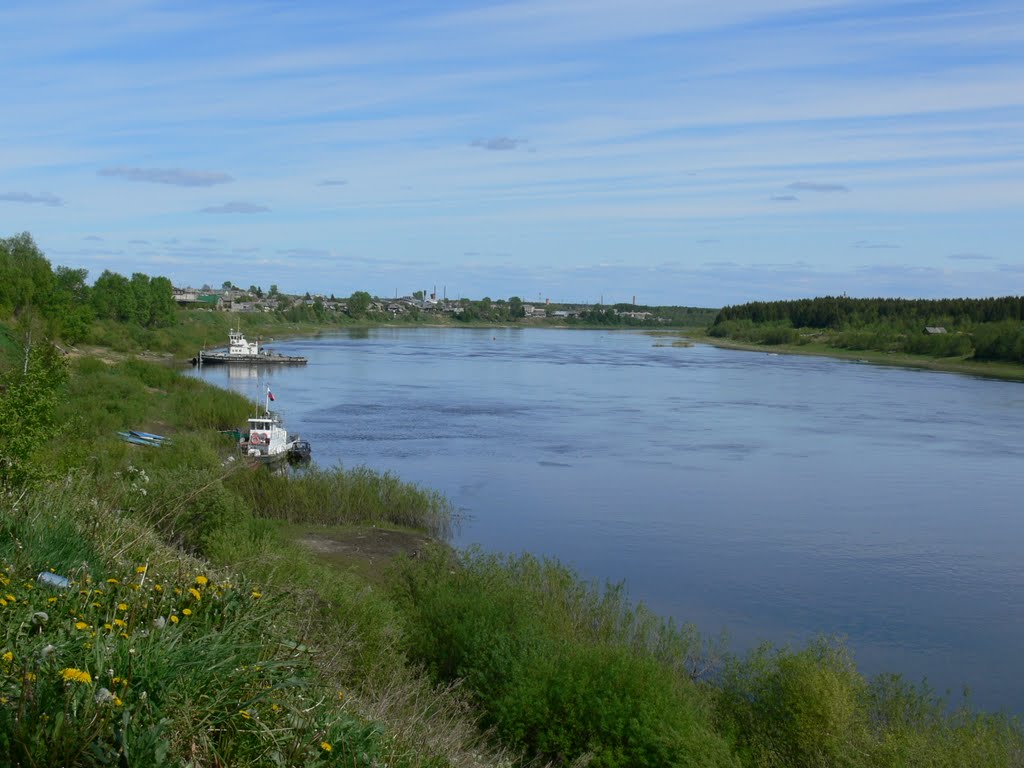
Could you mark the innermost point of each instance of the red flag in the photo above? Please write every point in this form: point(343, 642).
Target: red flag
point(270, 395)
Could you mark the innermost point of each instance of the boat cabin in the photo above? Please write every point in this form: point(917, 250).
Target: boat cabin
point(237, 345)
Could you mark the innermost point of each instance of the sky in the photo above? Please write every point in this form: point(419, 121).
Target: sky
point(676, 151)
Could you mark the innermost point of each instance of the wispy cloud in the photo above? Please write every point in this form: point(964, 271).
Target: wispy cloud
point(873, 246)
point(784, 198)
point(235, 207)
point(969, 257)
point(708, 241)
point(815, 186)
point(25, 197)
point(333, 183)
point(178, 177)
point(499, 143)
point(93, 238)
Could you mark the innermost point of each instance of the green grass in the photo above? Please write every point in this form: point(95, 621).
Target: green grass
point(987, 369)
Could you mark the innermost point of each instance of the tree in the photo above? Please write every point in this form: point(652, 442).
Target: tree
point(359, 303)
point(26, 279)
point(28, 412)
point(113, 297)
point(74, 314)
point(256, 291)
point(418, 295)
point(162, 307)
point(515, 307)
point(273, 290)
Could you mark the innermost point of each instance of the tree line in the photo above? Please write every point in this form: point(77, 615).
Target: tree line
point(838, 312)
point(63, 300)
point(982, 329)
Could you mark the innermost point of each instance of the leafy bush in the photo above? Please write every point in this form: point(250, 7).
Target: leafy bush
point(795, 708)
point(558, 669)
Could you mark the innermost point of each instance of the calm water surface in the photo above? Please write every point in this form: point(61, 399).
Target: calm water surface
point(771, 496)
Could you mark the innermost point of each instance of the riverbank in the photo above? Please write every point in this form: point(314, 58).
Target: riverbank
point(984, 369)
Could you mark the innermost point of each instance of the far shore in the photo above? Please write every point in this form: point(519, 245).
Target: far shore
point(993, 370)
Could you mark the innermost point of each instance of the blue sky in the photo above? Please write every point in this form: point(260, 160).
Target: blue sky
point(683, 152)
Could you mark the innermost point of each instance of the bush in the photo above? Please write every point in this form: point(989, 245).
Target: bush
point(558, 669)
point(792, 709)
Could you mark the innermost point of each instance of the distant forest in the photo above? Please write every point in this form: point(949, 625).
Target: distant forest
point(985, 329)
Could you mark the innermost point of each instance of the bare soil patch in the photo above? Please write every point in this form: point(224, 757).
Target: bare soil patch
point(365, 550)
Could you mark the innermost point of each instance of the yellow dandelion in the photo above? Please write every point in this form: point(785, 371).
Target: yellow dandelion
point(51, 600)
point(113, 581)
point(174, 619)
point(256, 595)
point(122, 606)
point(30, 677)
point(326, 746)
point(96, 605)
point(177, 590)
point(120, 623)
point(118, 680)
point(195, 593)
point(72, 675)
point(157, 588)
point(124, 635)
point(108, 626)
point(8, 657)
point(3, 603)
point(186, 611)
point(244, 714)
point(81, 625)
point(341, 695)
point(202, 581)
point(11, 598)
point(141, 569)
point(117, 701)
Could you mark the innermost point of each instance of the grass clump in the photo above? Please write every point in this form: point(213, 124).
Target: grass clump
point(339, 496)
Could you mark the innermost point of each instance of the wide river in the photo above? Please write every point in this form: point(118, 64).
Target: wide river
point(774, 497)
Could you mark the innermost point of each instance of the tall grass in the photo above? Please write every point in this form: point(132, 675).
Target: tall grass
point(344, 496)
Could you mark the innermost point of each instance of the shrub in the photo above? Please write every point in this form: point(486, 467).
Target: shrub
point(795, 708)
point(558, 669)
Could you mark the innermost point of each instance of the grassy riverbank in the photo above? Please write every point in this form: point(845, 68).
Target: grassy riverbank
point(223, 616)
point(820, 347)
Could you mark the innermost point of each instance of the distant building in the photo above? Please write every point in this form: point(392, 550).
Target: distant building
point(933, 329)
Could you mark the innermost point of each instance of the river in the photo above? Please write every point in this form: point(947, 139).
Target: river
point(770, 496)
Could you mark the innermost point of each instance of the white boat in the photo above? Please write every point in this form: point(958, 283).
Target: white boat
point(249, 352)
point(267, 442)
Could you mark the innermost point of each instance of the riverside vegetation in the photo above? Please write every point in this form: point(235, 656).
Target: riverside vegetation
point(194, 631)
point(984, 336)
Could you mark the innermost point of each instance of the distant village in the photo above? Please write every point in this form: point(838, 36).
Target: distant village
point(234, 299)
